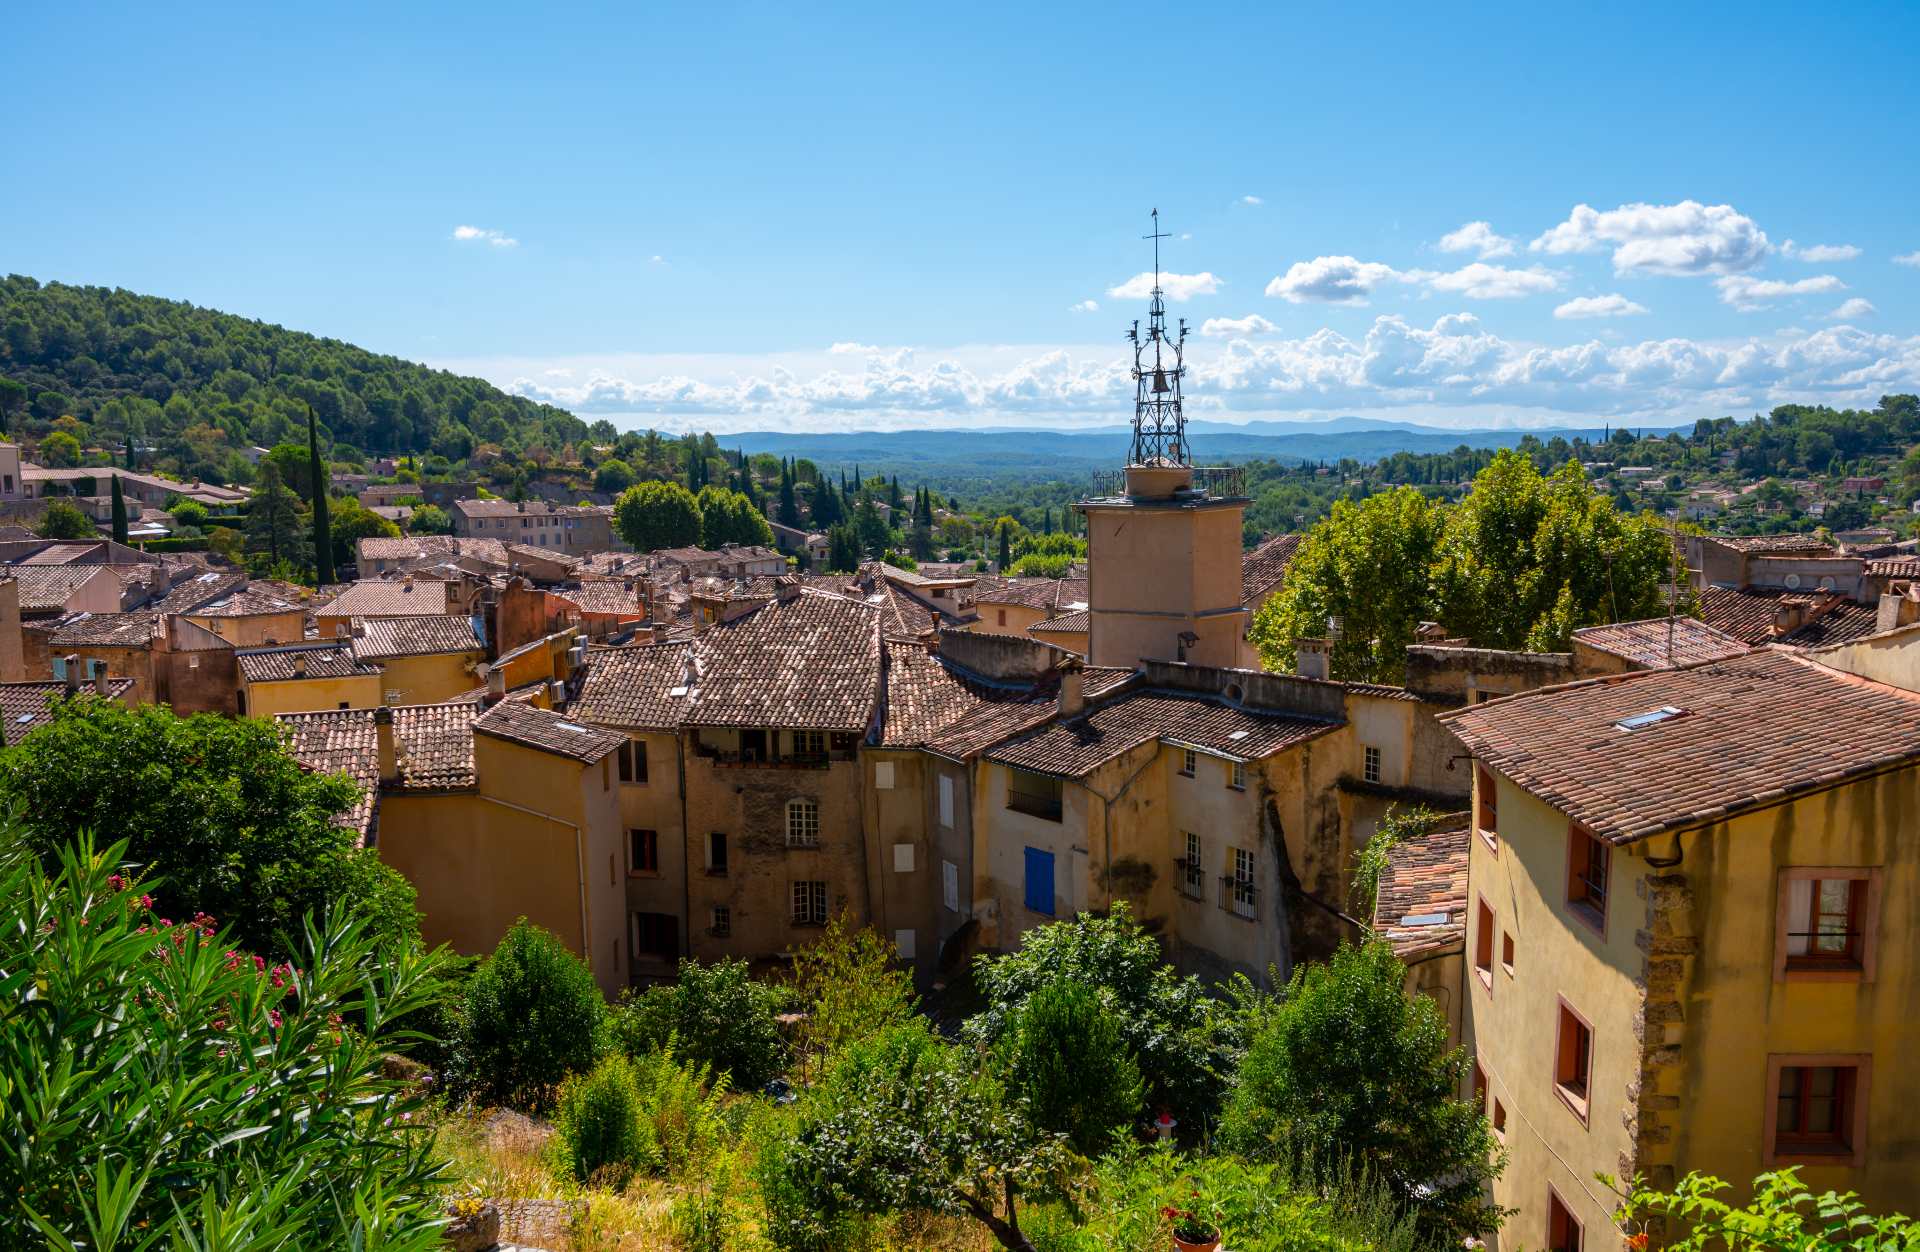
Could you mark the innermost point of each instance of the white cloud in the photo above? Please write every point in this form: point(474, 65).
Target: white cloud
point(1477, 237)
point(1908, 258)
point(1331, 280)
point(1480, 281)
point(1854, 308)
point(476, 234)
point(1236, 327)
point(657, 259)
point(1085, 306)
point(1751, 294)
point(1684, 238)
point(1177, 286)
point(1819, 253)
point(1614, 305)
point(1255, 200)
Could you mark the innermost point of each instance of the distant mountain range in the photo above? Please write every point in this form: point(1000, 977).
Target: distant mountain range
point(1040, 454)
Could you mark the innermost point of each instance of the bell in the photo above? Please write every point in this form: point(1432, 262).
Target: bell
point(1160, 382)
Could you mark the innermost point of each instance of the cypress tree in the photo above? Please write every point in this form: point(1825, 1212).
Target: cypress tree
point(322, 528)
point(1047, 524)
point(119, 512)
point(1006, 548)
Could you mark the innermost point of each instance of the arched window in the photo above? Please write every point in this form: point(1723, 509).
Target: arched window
point(803, 823)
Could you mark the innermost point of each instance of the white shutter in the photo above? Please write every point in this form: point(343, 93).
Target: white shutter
point(883, 775)
point(950, 885)
point(903, 944)
point(1799, 910)
point(903, 858)
point(946, 801)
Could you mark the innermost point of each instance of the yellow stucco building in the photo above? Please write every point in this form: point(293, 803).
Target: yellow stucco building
point(1690, 933)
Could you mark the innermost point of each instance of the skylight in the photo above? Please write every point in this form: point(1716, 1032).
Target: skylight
point(1652, 717)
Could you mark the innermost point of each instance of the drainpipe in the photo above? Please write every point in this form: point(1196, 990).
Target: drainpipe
point(686, 854)
point(579, 864)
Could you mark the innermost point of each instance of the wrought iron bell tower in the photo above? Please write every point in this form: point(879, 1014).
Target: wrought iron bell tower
point(1159, 425)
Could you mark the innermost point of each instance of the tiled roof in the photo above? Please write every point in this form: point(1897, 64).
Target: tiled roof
point(25, 707)
point(433, 746)
point(1006, 715)
point(247, 602)
point(1747, 615)
point(513, 508)
point(382, 637)
point(1262, 568)
point(111, 630)
point(387, 597)
point(811, 662)
point(65, 552)
point(632, 687)
point(1421, 906)
point(547, 731)
point(44, 587)
point(1751, 731)
point(1894, 567)
point(544, 554)
point(1049, 595)
point(1067, 624)
point(1758, 545)
point(1661, 642)
point(405, 548)
point(1076, 747)
point(927, 695)
point(323, 660)
point(610, 596)
point(199, 590)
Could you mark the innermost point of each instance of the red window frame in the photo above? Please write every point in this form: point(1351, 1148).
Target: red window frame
point(1589, 876)
point(1795, 1134)
point(1856, 963)
point(1573, 1060)
point(643, 853)
point(1486, 807)
point(1484, 924)
point(1564, 1231)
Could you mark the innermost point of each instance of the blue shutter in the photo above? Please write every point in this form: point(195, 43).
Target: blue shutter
point(1040, 881)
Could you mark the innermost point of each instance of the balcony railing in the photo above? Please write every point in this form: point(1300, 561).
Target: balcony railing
point(1239, 896)
point(1189, 878)
point(1219, 481)
point(759, 760)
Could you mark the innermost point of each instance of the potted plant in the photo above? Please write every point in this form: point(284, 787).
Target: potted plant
point(1193, 1230)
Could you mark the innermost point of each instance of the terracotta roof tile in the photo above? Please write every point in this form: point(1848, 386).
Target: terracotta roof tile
point(1751, 731)
point(246, 602)
point(1049, 595)
point(812, 662)
point(1263, 568)
point(387, 597)
point(1661, 642)
point(1078, 746)
point(1894, 567)
point(1066, 624)
point(1747, 615)
point(433, 746)
point(547, 731)
point(48, 587)
point(608, 596)
point(1757, 545)
point(383, 637)
point(632, 687)
point(114, 630)
point(1421, 906)
point(25, 707)
point(198, 590)
point(322, 660)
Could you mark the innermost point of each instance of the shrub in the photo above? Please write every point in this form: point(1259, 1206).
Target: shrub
point(680, 1110)
point(1183, 1041)
point(1065, 1061)
point(533, 1015)
point(715, 1015)
point(597, 1124)
point(849, 987)
point(166, 1089)
point(1346, 1064)
point(1782, 1214)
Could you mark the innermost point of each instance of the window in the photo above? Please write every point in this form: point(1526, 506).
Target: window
point(950, 886)
point(1479, 1086)
point(720, 921)
point(1193, 876)
point(1483, 944)
point(717, 854)
point(1033, 794)
point(1573, 1060)
point(803, 823)
point(633, 761)
point(1188, 759)
point(1237, 775)
point(1039, 881)
point(810, 903)
point(1506, 952)
point(810, 744)
point(1370, 763)
point(656, 936)
point(1499, 1118)
point(643, 852)
point(1486, 815)
point(883, 775)
point(946, 800)
point(1817, 1109)
point(1588, 860)
point(1003, 617)
point(1563, 1230)
point(1242, 893)
point(1825, 924)
point(904, 944)
point(903, 858)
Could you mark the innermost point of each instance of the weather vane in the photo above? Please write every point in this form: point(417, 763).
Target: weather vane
point(1159, 424)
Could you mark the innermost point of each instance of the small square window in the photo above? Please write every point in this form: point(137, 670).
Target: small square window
point(810, 903)
point(1188, 759)
point(1817, 1109)
point(1237, 775)
point(720, 922)
point(1589, 859)
point(1573, 1060)
point(1370, 768)
point(1506, 952)
point(1483, 944)
point(1486, 815)
point(1479, 1086)
point(1825, 924)
point(1499, 1118)
point(717, 854)
point(1563, 1229)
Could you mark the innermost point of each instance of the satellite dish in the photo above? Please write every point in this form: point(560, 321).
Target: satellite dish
point(1793, 582)
point(1826, 584)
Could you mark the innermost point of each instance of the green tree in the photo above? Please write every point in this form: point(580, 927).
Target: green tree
point(430, 519)
point(613, 477)
point(729, 517)
point(165, 1090)
point(320, 482)
point(119, 511)
point(60, 450)
point(530, 978)
point(789, 506)
point(295, 465)
point(64, 521)
point(1006, 550)
point(656, 515)
point(1069, 1067)
point(1783, 1214)
point(874, 535)
point(186, 512)
point(350, 525)
point(13, 400)
point(843, 549)
point(216, 806)
point(850, 988)
point(1182, 1039)
point(1368, 566)
point(715, 1015)
point(1347, 1065)
point(275, 525)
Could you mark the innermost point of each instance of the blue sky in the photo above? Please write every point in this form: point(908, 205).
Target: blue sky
point(834, 217)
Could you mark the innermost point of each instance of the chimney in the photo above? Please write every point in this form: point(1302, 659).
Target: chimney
point(523, 506)
point(73, 673)
point(1788, 616)
point(299, 665)
point(1073, 692)
point(1312, 658)
point(1899, 606)
point(496, 684)
point(786, 588)
point(384, 746)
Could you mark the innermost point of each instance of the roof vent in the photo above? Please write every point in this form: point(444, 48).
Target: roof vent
point(1652, 717)
point(1792, 581)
